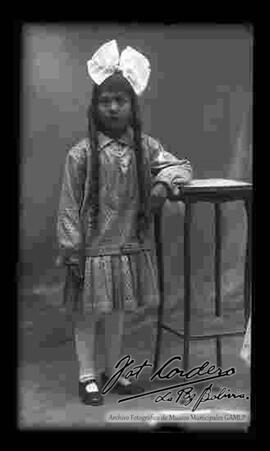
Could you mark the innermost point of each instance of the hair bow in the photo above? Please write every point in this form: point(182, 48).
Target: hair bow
point(134, 66)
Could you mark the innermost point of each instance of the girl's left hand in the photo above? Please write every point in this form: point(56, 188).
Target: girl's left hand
point(158, 196)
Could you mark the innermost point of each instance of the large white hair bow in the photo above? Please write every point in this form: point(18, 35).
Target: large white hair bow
point(134, 66)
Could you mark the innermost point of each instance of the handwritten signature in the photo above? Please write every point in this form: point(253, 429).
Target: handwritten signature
point(186, 394)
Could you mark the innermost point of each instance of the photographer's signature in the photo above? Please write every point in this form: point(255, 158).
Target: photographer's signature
point(186, 393)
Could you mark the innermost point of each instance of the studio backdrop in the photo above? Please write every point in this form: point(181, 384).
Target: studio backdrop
point(198, 104)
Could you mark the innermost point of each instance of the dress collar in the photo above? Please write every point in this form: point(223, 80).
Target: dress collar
point(126, 139)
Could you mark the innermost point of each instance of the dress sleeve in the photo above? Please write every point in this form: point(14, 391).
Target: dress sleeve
point(168, 169)
point(69, 228)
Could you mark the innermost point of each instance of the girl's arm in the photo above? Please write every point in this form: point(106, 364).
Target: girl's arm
point(168, 169)
point(69, 230)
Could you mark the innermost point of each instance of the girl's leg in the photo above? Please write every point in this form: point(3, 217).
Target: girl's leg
point(85, 343)
point(114, 328)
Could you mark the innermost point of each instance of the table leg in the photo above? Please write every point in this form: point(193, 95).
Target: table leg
point(187, 281)
point(218, 257)
point(247, 276)
point(158, 239)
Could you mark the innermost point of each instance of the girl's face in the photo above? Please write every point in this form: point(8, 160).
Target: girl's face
point(114, 110)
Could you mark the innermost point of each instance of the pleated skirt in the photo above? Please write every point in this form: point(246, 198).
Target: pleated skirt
point(117, 282)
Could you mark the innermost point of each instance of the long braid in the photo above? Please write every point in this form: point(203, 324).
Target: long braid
point(142, 173)
point(92, 132)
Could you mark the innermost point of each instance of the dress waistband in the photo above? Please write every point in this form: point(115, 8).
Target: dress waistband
point(116, 250)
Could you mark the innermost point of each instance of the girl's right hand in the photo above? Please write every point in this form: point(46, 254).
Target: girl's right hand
point(74, 266)
point(76, 269)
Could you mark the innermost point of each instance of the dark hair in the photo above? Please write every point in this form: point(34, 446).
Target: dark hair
point(143, 172)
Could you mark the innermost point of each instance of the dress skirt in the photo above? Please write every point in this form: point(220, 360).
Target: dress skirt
point(114, 282)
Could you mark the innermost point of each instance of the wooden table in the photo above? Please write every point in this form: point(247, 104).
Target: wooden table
point(215, 191)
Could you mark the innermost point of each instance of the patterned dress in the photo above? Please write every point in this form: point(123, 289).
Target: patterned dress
point(119, 271)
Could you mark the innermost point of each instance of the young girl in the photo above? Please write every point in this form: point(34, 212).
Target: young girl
point(113, 181)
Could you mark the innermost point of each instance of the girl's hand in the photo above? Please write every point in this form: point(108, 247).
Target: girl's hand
point(76, 269)
point(73, 264)
point(158, 196)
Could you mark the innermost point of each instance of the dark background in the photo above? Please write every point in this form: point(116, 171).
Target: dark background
point(198, 104)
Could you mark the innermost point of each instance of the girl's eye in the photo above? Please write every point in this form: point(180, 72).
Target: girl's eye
point(104, 101)
point(119, 100)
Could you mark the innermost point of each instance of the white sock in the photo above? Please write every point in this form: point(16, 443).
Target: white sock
point(87, 377)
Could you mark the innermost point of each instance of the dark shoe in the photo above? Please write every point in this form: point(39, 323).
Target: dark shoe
point(121, 389)
point(89, 393)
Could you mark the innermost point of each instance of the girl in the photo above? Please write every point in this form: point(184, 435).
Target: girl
point(113, 181)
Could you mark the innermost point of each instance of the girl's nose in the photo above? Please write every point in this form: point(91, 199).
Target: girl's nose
point(113, 107)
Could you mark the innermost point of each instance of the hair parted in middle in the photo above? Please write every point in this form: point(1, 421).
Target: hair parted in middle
point(143, 171)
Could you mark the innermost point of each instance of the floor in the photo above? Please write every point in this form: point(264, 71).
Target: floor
point(47, 375)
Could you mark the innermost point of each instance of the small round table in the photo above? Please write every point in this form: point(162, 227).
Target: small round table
point(215, 191)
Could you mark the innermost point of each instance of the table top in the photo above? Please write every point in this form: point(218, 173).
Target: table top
point(207, 184)
point(214, 187)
